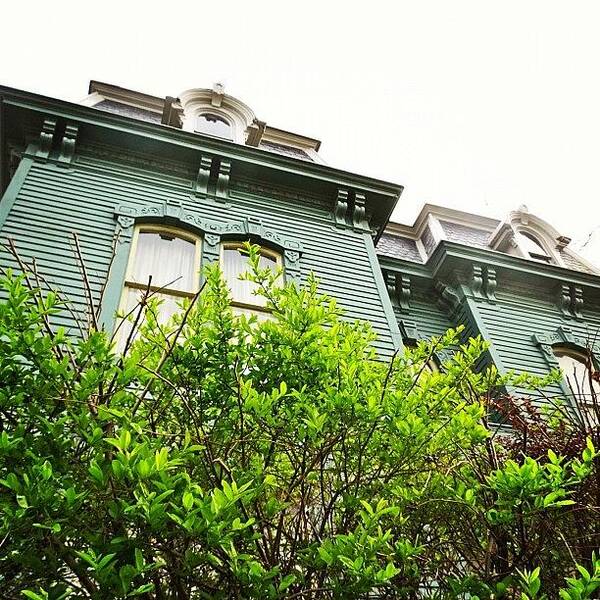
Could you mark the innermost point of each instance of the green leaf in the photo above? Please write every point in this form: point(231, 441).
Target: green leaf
point(96, 472)
point(143, 589)
point(34, 595)
point(188, 500)
point(286, 582)
point(325, 556)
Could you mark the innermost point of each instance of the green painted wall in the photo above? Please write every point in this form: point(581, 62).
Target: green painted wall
point(51, 202)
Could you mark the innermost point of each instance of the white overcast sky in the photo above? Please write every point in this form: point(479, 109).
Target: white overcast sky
point(476, 105)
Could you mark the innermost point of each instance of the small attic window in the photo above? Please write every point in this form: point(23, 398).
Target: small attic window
point(215, 125)
point(534, 247)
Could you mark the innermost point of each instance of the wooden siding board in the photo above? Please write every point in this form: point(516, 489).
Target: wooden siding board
point(53, 202)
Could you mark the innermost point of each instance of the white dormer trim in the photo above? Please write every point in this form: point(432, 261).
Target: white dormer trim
point(198, 101)
point(103, 91)
point(520, 222)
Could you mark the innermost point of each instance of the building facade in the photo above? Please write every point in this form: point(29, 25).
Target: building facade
point(139, 185)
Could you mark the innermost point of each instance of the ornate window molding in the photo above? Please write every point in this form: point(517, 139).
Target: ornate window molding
point(198, 101)
point(213, 232)
point(522, 234)
point(564, 338)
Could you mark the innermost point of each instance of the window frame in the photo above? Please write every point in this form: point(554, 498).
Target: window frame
point(265, 251)
point(218, 115)
point(587, 359)
point(128, 283)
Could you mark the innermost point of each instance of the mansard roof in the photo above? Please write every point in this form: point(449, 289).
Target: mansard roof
point(24, 115)
point(181, 111)
point(436, 224)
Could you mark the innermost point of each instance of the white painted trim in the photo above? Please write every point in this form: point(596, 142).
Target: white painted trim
point(421, 249)
point(437, 231)
point(582, 260)
point(92, 99)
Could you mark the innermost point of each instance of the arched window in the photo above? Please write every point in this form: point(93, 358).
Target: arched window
point(215, 125)
point(167, 262)
point(534, 247)
point(234, 262)
point(577, 366)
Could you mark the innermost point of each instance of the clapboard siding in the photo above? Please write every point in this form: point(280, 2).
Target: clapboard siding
point(53, 203)
point(430, 319)
point(523, 311)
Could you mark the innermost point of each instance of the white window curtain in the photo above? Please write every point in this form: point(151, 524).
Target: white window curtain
point(577, 374)
point(168, 259)
point(234, 264)
point(172, 263)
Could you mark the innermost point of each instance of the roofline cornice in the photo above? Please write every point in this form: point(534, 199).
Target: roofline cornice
point(445, 214)
point(448, 255)
point(167, 134)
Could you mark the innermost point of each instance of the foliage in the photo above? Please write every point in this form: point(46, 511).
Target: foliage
point(217, 456)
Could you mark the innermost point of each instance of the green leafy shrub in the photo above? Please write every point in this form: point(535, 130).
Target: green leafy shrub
point(221, 457)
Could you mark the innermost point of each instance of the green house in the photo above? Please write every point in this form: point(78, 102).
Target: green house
point(126, 191)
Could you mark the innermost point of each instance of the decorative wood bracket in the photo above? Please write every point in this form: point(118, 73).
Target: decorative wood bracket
point(201, 186)
point(409, 332)
point(213, 178)
point(67, 146)
point(411, 336)
point(449, 299)
point(224, 172)
point(359, 215)
point(570, 301)
point(482, 283)
point(398, 286)
point(46, 139)
point(45, 150)
point(341, 208)
point(490, 284)
point(350, 211)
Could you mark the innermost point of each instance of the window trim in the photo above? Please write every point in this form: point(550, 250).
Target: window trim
point(219, 115)
point(265, 251)
point(585, 357)
point(128, 282)
point(548, 258)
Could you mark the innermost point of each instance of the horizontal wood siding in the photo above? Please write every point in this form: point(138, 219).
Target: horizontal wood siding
point(430, 319)
point(523, 311)
point(54, 202)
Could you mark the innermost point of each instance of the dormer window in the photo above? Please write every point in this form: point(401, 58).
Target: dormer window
point(215, 125)
point(534, 248)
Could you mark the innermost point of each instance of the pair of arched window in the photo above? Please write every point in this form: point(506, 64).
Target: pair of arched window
point(167, 262)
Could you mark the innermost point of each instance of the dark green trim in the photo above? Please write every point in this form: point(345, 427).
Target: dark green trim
point(115, 281)
point(90, 115)
point(479, 325)
point(405, 267)
point(449, 257)
point(383, 293)
point(13, 189)
point(3, 153)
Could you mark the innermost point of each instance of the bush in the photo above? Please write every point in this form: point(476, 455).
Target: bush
point(221, 457)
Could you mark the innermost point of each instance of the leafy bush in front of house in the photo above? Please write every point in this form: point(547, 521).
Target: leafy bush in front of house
point(220, 457)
